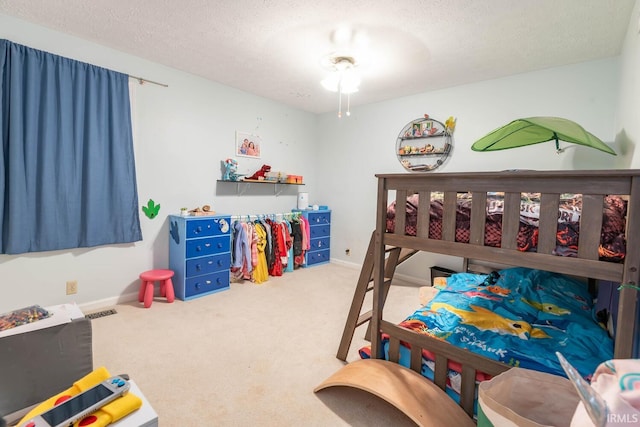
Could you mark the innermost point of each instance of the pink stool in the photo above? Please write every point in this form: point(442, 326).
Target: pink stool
point(148, 278)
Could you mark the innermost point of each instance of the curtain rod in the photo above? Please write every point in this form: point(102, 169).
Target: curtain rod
point(143, 81)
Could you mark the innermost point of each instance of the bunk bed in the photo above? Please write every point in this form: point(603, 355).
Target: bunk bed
point(587, 260)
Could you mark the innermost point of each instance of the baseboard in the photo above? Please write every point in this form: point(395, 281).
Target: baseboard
point(88, 307)
point(412, 280)
point(353, 265)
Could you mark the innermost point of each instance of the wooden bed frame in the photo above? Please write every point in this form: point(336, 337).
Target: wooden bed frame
point(594, 185)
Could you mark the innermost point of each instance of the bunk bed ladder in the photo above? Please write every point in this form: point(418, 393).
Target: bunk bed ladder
point(395, 257)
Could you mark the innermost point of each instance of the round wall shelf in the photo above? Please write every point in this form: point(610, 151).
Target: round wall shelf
point(423, 145)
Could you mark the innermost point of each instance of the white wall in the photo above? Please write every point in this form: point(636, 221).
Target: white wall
point(181, 134)
point(365, 144)
point(184, 131)
point(627, 123)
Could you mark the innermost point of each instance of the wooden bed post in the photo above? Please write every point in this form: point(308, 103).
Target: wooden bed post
point(628, 303)
point(378, 272)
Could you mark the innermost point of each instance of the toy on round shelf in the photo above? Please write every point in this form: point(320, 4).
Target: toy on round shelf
point(427, 149)
point(450, 125)
point(260, 175)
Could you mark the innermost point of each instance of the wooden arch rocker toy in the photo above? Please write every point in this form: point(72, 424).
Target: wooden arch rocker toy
point(391, 381)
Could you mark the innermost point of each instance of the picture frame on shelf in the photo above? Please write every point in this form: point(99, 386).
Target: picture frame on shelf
point(426, 127)
point(248, 145)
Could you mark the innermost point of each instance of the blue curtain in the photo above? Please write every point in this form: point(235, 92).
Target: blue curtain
point(67, 170)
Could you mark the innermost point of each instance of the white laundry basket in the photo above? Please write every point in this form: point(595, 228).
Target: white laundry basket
point(525, 398)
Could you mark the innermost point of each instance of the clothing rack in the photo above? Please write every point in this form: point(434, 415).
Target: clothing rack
point(273, 216)
point(284, 237)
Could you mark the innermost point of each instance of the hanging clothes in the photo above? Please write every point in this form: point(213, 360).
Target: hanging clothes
point(266, 243)
point(285, 238)
point(275, 269)
point(289, 241)
point(261, 272)
point(298, 236)
point(252, 240)
point(241, 255)
point(268, 250)
point(282, 244)
point(306, 242)
point(254, 246)
point(291, 263)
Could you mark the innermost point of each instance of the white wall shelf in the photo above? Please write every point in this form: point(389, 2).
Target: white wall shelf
point(244, 185)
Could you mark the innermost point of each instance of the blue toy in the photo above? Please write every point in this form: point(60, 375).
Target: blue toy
point(230, 168)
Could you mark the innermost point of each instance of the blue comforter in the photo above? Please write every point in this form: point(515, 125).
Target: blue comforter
point(520, 317)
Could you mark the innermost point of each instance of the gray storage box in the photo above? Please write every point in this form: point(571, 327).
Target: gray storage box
point(38, 364)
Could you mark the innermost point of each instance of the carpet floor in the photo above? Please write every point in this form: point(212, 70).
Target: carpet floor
point(250, 355)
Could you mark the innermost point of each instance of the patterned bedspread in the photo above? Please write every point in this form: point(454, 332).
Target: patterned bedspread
point(612, 244)
point(517, 316)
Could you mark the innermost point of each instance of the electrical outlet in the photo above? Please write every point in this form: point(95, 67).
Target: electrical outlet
point(72, 287)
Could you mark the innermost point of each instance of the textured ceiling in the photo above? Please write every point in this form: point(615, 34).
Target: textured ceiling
point(275, 48)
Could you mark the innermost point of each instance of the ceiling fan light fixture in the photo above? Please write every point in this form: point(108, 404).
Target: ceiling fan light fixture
point(345, 82)
point(343, 79)
point(350, 81)
point(331, 82)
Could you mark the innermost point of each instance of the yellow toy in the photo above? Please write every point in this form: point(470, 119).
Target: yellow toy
point(110, 413)
point(450, 125)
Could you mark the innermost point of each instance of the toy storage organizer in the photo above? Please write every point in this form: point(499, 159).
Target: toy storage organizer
point(320, 232)
point(199, 254)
